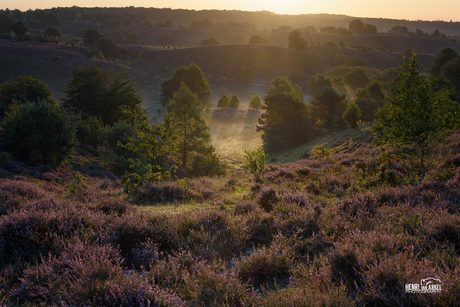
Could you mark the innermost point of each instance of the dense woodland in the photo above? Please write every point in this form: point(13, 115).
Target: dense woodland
point(118, 187)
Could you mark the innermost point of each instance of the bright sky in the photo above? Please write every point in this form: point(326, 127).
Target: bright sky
point(398, 9)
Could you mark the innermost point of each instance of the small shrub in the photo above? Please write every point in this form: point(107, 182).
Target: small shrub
point(255, 161)
point(267, 198)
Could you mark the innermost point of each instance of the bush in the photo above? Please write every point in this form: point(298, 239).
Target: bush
point(234, 101)
point(255, 102)
point(223, 102)
point(208, 163)
point(38, 133)
point(52, 30)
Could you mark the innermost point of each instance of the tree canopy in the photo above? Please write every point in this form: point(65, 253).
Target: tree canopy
point(192, 77)
point(23, 89)
point(296, 41)
point(101, 93)
point(415, 114)
point(284, 120)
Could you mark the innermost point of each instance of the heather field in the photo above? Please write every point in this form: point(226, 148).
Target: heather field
point(346, 228)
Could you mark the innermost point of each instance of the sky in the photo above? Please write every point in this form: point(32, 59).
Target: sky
point(396, 9)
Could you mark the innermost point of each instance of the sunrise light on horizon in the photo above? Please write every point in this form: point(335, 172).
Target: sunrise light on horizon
point(446, 10)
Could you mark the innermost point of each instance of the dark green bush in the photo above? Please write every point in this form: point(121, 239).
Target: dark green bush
point(38, 133)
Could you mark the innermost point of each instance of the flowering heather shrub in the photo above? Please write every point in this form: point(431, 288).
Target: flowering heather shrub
point(296, 198)
point(129, 232)
point(278, 173)
point(244, 208)
point(14, 194)
point(396, 195)
point(360, 202)
point(88, 275)
point(267, 198)
point(211, 233)
point(199, 282)
point(114, 205)
point(290, 219)
point(159, 192)
point(261, 227)
point(264, 266)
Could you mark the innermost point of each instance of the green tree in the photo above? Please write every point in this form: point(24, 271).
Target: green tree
point(255, 161)
point(192, 77)
point(153, 142)
point(284, 121)
point(133, 38)
point(23, 89)
point(369, 29)
point(117, 37)
point(53, 30)
point(356, 78)
point(255, 103)
point(234, 101)
point(38, 133)
point(101, 93)
point(223, 102)
point(451, 72)
point(91, 36)
point(326, 107)
point(258, 40)
point(356, 26)
point(352, 114)
point(193, 134)
point(108, 47)
point(296, 41)
point(19, 28)
point(415, 114)
point(317, 82)
point(370, 99)
point(441, 59)
point(209, 42)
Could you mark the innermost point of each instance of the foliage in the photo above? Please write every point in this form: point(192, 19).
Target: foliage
point(91, 36)
point(255, 103)
point(101, 93)
point(38, 133)
point(117, 37)
point(370, 100)
point(108, 47)
point(284, 121)
point(53, 30)
point(234, 101)
point(207, 163)
point(154, 142)
point(19, 28)
point(317, 82)
point(223, 102)
point(296, 41)
point(209, 42)
point(326, 107)
point(356, 78)
point(441, 59)
point(255, 161)
point(192, 77)
point(192, 132)
point(22, 90)
point(76, 185)
point(352, 114)
point(258, 40)
point(414, 114)
point(356, 26)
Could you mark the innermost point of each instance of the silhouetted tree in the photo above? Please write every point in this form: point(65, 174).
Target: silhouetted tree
point(209, 42)
point(107, 47)
point(234, 101)
point(352, 114)
point(192, 77)
point(356, 26)
point(101, 93)
point(53, 30)
point(317, 82)
point(91, 36)
point(223, 102)
point(296, 41)
point(441, 59)
point(326, 107)
point(19, 28)
point(258, 40)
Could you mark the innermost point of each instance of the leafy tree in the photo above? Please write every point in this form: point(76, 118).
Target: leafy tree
point(117, 37)
point(101, 93)
point(356, 26)
point(23, 89)
point(415, 114)
point(369, 29)
point(317, 82)
point(441, 59)
point(451, 72)
point(147, 24)
point(223, 102)
point(208, 163)
point(399, 30)
point(108, 47)
point(326, 107)
point(53, 30)
point(370, 99)
point(284, 122)
point(38, 133)
point(234, 101)
point(258, 40)
point(255, 103)
point(153, 142)
point(352, 114)
point(192, 77)
point(209, 42)
point(296, 41)
point(245, 76)
point(356, 78)
point(52, 19)
point(310, 29)
point(193, 134)
point(19, 28)
point(91, 36)
point(255, 161)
